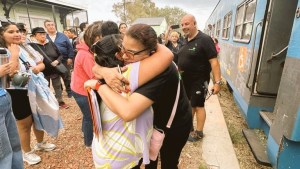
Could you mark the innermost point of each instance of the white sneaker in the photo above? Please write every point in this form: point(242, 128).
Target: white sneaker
point(43, 146)
point(31, 158)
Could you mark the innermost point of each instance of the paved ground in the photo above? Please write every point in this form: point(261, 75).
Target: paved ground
point(217, 148)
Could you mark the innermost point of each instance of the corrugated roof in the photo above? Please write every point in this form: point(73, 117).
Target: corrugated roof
point(150, 21)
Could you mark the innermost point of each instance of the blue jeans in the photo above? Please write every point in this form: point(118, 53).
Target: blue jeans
point(87, 123)
point(10, 147)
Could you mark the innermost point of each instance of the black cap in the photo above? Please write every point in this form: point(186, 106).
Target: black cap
point(21, 27)
point(38, 30)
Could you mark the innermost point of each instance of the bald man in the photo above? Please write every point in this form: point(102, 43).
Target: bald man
point(196, 59)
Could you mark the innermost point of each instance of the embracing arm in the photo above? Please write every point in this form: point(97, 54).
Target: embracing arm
point(126, 108)
point(112, 77)
point(149, 68)
point(155, 64)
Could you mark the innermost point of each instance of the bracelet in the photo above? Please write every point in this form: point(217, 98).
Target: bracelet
point(99, 83)
point(219, 82)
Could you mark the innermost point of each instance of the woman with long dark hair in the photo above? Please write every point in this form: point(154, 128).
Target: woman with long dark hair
point(139, 43)
point(19, 94)
point(11, 153)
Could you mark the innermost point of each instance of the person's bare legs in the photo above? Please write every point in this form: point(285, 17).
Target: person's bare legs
point(39, 134)
point(24, 129)
point(41, 145)
point(201, 116)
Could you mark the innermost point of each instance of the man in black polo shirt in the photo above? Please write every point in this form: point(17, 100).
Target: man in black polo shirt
point(196, 59)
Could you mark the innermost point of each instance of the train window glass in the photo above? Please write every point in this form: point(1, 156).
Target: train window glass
point(244, 21)
point(213, 30)
point(218, 28)
point(250, 9)
point(226, 25)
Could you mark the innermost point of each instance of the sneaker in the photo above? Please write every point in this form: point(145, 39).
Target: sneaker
point(43, 146)
point(63, 105)
point(195, 136)
point(31, 158)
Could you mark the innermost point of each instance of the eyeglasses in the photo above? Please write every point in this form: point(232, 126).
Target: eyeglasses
point(128, 53)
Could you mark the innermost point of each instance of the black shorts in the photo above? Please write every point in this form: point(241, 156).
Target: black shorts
point(196, 91)
point(20, 103)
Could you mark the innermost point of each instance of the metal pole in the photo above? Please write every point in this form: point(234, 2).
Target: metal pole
point(54, 18)
point(72, 19)
point(28, 16)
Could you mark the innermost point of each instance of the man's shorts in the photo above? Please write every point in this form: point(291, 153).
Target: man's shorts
point(196, 91)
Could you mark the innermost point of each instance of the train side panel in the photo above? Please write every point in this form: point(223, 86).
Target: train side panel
point(284, 138)
point(263, 70)
point(238, 59)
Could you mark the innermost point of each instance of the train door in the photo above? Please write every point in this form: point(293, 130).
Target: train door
point(278, 25)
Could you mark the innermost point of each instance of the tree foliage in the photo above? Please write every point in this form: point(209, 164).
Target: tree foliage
point(134, 9)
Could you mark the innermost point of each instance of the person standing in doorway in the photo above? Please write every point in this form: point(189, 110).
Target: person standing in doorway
point(196, 59)
point(65, 47)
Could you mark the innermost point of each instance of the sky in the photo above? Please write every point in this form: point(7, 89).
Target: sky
point(201, 9)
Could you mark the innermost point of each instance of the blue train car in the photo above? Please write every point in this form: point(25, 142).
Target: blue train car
point(260, 60)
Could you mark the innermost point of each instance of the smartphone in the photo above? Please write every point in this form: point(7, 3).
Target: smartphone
point(175, 26)
point(119, 70)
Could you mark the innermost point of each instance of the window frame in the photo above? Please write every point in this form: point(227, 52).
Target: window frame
point(227, 26)
point(244, 22)
point(218, 28)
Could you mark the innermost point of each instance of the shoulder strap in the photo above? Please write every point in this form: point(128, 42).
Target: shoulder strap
point(175, 104)
point(42, 52)
point(26, 64)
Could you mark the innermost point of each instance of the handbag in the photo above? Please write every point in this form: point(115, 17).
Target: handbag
point(60, 68)
point(158, 135)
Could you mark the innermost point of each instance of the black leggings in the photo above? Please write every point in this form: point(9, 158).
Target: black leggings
point(170, 151)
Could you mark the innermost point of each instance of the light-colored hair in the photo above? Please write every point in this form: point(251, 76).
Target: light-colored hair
point(174, 33)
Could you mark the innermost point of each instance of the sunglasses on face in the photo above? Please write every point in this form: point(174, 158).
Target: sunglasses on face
point(129, 53)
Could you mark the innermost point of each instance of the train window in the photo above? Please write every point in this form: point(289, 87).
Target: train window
point(218, 28)
point(226, 25)
point(213, 30)
point(244, 21)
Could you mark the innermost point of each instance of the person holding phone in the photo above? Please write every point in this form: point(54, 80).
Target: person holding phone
point(172, 41)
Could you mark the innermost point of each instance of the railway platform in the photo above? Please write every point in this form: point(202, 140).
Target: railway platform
point(217, 148)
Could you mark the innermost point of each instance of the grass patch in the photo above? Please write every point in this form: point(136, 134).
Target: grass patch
point(202, 166)
point(235, 134)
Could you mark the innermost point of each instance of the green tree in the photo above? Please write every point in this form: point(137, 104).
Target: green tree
point(172, 15)
point(134, 9)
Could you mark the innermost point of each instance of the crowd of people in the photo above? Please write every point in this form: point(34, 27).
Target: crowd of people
point(116, 62)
